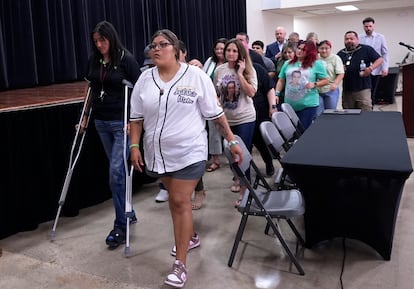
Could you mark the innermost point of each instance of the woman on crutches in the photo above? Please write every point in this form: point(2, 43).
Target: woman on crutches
point(110, 64)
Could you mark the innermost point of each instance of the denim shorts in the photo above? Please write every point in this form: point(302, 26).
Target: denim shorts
point(191, 172)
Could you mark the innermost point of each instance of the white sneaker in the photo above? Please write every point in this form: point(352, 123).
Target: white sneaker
point(162, 196)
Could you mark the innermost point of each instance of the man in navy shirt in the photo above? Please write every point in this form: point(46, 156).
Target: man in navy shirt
point(359, 61)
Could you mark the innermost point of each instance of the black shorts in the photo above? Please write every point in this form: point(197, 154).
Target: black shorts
point(191, 172)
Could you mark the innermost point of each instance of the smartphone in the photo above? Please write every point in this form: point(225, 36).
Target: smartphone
point(237, 66)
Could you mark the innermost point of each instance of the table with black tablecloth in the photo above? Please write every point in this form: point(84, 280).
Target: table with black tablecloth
point(351, 169)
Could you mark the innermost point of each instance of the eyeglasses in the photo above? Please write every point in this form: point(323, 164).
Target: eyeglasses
point(159, 45)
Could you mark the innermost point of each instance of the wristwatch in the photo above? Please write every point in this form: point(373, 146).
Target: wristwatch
point(274, 106)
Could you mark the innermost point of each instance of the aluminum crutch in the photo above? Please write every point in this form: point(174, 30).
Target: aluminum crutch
point(74, 156)
point(128, 173)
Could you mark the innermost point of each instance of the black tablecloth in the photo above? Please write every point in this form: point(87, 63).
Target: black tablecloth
point(35, 149)
point(351, 169)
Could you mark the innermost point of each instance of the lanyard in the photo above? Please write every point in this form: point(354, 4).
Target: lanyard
point(102, 76)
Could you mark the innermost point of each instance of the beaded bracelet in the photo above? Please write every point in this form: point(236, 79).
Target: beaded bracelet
point(134, 145)
point(233, 143)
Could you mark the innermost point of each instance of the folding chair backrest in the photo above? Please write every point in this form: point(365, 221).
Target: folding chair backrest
point(272, 138)
point(288, 109)
point(247, 157)
point(286, 128)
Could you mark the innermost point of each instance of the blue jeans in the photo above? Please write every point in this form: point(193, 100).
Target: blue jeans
point(245, 131)
point(328, 100)
point(307, 115)
point(112, 137)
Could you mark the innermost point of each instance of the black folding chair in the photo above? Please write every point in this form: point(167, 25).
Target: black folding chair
point(282, 204)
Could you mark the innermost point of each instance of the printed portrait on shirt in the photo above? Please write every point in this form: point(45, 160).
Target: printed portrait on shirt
point(229, 92)
point(296, 80)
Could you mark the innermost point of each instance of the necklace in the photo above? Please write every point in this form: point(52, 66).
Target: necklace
point(348, 62)
point(349, 55)
point(102, 75)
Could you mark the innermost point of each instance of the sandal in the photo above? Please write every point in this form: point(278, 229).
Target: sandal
point(235, 188)
point(237, 203)
point(213, 166)
point(197, 203)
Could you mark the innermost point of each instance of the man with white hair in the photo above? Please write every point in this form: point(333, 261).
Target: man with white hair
point(274, 50)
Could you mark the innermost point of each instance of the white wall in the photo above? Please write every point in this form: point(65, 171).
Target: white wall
point(396, 25)
point(261, 25)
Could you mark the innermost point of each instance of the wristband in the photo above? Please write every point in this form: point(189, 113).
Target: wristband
point(277, 93)
point(316, 84)
point(273, 106)
point(233, 143)
point(133, 145)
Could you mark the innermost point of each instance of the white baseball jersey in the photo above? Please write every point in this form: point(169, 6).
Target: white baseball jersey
point(174, 115)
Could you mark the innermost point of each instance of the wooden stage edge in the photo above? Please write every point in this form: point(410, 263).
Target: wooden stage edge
point(42, 96)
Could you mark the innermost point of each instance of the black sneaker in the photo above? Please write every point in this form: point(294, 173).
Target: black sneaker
point(133, 219)
point(115, 238)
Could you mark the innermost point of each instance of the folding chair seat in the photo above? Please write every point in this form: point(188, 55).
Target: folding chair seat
point(291, 113)
point(274, 143)
point(269, 204)
point(286, 128)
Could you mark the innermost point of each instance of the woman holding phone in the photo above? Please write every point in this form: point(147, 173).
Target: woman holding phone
point(238, 75)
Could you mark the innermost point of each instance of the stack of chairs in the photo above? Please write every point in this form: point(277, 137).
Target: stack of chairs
point(276, 144)
point(286, 128)
point(288, 109)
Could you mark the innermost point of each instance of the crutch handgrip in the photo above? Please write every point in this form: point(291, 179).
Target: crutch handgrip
point(127, 83)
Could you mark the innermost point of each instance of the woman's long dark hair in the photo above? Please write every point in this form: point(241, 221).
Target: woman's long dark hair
point(214, 55)
point(116, 48)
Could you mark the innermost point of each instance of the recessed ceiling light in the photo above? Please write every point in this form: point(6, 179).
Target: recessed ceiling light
point(347, 8)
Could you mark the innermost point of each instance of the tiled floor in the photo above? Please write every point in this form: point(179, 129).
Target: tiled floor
point(78, 258)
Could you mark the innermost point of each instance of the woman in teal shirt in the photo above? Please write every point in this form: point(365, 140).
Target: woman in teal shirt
point(300, 78)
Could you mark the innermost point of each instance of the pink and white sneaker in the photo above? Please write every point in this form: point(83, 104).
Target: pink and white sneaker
point(194, 243)
point(178, 275)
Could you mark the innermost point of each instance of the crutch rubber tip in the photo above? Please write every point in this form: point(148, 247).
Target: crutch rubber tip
point(127, 252)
